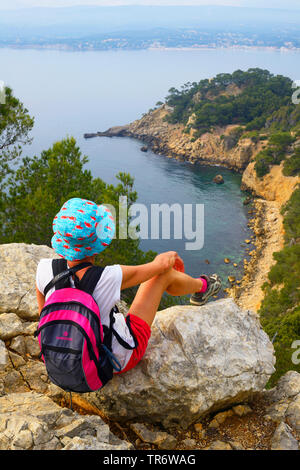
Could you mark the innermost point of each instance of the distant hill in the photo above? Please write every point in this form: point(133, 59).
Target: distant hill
point(82, 22)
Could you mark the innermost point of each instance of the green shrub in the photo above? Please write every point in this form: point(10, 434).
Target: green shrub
point(274, 153)
point(253, 135)
point(263, 160)
point(256, 124)
point(292, 165)
point(285, 330)
point(291, 221)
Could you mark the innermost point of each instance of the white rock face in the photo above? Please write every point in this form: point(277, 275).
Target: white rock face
point(199, 359)
point(283, 439)
point(18, 263)
point(32, 421)
point(284, 400)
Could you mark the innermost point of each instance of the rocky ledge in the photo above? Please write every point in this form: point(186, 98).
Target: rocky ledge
point(32, 421)
point(117, 131)
point(201, 362)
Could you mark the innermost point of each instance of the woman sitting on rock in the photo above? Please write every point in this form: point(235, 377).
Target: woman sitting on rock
point(82, 229)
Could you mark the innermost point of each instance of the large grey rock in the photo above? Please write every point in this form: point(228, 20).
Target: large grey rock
point(292, 414)
point(199, 359)
point(4, 357)
point(163, 440)
point(32, 421)
point(283, 439)
point(10, 326)
point(284, 400)
point(18, 263)
point(288, 386)
point(91, 443)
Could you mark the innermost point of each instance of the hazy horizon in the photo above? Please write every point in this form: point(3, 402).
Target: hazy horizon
point(268, 4)
point(143, 25)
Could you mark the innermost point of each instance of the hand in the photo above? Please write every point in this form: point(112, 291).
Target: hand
point(166, 260)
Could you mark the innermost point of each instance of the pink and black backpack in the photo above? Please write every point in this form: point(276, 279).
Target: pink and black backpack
point(75, 346)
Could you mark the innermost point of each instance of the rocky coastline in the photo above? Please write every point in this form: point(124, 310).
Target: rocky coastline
point(222, 148)
point(266, 226)
point(270, 193)
point(171, 140)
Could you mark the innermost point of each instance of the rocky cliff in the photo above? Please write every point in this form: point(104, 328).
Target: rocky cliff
point(167, 139)
point(200, 361)
point(274, 186)
point(270, 193)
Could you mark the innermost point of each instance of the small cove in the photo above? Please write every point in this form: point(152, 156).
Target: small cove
point(161, 180)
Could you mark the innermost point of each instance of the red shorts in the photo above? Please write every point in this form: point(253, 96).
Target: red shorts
point(142, 332)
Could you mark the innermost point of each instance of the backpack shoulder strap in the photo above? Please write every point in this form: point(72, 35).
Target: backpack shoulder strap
point(89, 280)
point(63, 277)
point(58, 266)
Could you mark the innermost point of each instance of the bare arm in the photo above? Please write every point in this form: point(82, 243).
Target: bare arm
point(40, 299)
point(134, 275)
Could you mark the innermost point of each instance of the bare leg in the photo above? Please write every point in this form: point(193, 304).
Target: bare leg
point(149, 293)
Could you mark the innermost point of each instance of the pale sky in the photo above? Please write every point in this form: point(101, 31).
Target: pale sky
point(16, 4)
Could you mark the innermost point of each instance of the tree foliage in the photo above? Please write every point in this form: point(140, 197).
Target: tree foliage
point(246, 98)
point(15, 126)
